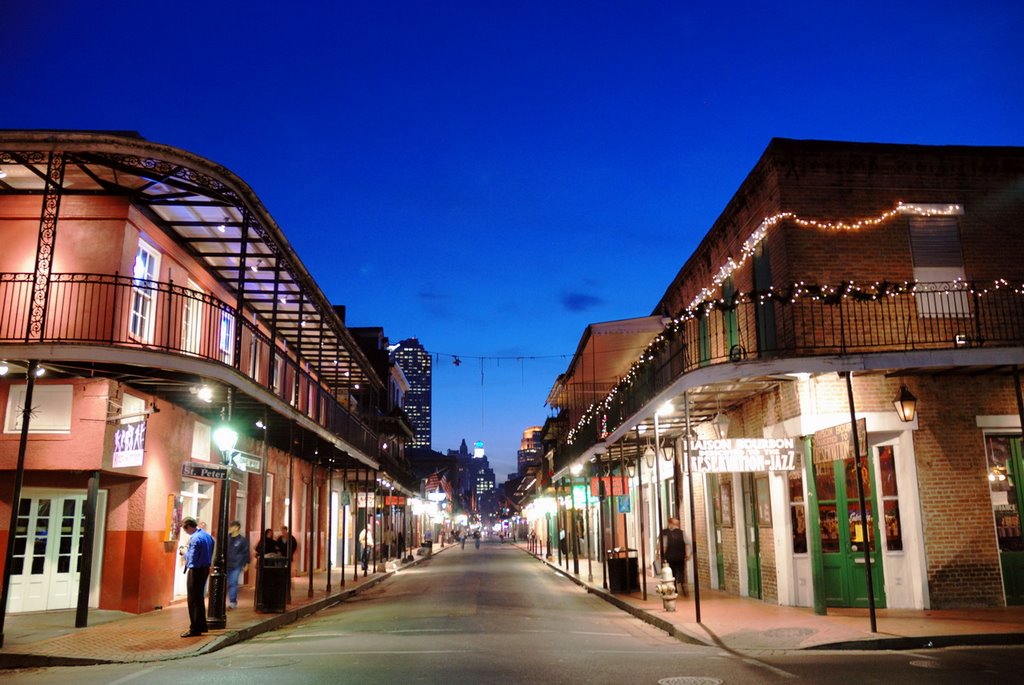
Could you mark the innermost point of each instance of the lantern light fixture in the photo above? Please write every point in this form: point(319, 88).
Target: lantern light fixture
point(905, 404)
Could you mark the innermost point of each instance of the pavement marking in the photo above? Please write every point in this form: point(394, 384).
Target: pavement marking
point(133, 676)
point(367, 651)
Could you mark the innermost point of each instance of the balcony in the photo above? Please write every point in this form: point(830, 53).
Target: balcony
point(809, 322)
point(134, 314)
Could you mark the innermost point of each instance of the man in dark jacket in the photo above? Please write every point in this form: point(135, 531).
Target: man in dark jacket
point(238, 560)
point(673, 552)
point(287, 546)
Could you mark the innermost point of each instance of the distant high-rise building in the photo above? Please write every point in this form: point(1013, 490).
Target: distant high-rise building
point(414, 361)
point(531, 449)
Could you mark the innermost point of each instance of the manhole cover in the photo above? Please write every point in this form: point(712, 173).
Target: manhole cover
point(689, 680)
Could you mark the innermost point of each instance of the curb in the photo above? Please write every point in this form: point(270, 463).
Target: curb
point(870, 644)
point(272, 622)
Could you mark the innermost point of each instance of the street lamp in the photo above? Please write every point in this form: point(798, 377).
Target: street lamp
point(225, 438)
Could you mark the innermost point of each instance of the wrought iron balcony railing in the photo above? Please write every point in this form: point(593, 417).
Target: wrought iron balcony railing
point(807, 322)
point(129, 313)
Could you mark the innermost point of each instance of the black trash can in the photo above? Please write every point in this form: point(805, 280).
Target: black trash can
point(273, 585)
point(623, 571)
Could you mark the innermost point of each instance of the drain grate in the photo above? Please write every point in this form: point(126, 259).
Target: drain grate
point(689, 680)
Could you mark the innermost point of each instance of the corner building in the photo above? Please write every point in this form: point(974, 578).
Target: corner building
point(159, 300)
point(894, 267)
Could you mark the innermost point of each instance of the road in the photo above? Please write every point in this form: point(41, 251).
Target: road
point(496, 615)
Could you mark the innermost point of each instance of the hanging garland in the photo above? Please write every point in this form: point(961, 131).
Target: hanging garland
point(706, 300)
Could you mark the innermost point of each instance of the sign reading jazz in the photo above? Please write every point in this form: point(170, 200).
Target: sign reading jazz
point(743, 454)
point(836, 443)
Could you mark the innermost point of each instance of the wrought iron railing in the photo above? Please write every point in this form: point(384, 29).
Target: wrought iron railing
point(804, 322)
point(130, 313)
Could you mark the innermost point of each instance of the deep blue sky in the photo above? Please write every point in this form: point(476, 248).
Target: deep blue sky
point(492, 176)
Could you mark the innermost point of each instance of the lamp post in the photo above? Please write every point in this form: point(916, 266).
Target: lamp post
point(225, 438)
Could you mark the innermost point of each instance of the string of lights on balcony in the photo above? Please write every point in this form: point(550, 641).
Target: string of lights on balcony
point(707, 300)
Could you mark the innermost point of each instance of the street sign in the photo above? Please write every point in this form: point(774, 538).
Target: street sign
point(247, 462)
point(196, 470)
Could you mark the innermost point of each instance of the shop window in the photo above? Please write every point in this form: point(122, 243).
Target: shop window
point(828, 519)
point(859, 530)
point(797, 510)
point(143, 312)
point(1003, 454)
point(890, 499)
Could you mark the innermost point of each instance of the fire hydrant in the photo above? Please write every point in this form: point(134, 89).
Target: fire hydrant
point(667, 588)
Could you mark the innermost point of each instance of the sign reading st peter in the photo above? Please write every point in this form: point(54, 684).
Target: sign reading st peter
point(743, 454)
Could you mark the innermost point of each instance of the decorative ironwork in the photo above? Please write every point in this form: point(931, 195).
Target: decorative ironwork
point(44, 248)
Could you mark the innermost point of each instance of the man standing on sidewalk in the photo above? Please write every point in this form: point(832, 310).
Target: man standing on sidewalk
point(198, 558)
point(673, 552)
point(238, 560)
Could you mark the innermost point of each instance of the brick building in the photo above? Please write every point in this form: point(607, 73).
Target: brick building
point(840, 277)
point(158, 299)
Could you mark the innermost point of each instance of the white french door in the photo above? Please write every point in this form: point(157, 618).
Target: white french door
point(46, 566)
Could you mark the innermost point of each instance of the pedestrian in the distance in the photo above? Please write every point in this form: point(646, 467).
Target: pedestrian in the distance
point(237, 559)
point(673, 553)
point(198, 557)
point(365, 544)
point(287, 545)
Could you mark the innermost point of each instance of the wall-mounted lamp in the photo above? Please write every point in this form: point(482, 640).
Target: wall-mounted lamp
point(40, 371)
point(721, 425)
point(649, 456)
point(906, 405)
point(576, 469)
point(204, 392)
point(631, 469)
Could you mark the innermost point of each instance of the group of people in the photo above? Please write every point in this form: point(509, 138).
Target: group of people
point(198, 558)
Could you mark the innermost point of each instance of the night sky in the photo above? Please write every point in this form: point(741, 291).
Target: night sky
point(492, 176)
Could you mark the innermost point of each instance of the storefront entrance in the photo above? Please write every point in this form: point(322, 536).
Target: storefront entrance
point(843, 536)
point(46, 567)
point(750, 512)
point(1005, 468)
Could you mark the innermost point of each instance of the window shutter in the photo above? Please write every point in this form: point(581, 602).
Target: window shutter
point(935, 241)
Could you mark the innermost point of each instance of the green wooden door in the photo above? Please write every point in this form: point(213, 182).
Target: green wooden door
point(714, 486)
point(753, 536)
point(843, 537)
point(1005, 468)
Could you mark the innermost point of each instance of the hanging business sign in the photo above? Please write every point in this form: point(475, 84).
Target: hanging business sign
point(836, 443)
point(394, 501)
point(613, 485)
point(129, 444)
point(744, 455)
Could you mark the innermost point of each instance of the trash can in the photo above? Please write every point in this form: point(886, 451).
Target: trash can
point(273, 585)
point(623, 571)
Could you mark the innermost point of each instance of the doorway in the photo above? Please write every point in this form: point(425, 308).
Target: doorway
point(753, 540)
point(48, 535)
point(843, 536)
point(197, 502)
point(1005, 468)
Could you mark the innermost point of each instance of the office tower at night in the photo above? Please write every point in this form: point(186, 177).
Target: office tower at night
point(415, 363)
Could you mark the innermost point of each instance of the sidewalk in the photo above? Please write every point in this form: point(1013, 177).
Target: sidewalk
point(50, 638)
point(740, 623)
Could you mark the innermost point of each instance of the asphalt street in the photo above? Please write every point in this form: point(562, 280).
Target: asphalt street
point(496, 615)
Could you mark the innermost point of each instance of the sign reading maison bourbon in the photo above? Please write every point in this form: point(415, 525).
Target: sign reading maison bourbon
point(836, 443)
point(743, 455)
